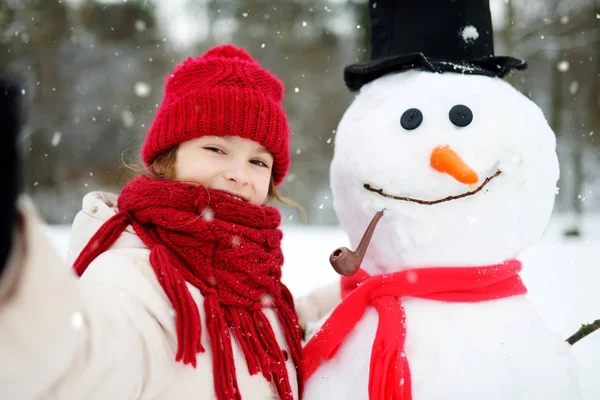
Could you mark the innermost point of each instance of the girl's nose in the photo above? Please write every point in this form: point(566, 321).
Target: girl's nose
point(237, 174)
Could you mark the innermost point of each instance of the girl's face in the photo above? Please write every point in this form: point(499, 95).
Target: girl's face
point(237, 166)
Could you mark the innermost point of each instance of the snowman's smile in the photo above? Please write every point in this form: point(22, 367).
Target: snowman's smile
point(381, 192)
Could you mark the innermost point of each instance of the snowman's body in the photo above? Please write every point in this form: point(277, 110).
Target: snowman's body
point(506, 354)
point(496, 349)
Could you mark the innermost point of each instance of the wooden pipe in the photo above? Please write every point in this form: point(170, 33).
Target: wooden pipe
point(345, 261)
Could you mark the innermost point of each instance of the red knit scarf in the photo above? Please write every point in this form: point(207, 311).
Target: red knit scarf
point(228, 249)
point(389, 373)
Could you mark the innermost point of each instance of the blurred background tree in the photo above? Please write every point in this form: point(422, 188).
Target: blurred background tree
point(94, 73)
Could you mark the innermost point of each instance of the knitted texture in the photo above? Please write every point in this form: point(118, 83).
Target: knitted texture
point(231, 251)
point(224, 92)
point(389, 376)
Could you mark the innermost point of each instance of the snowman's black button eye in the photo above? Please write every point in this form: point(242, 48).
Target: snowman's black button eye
point(411, 119)
point(461, 115)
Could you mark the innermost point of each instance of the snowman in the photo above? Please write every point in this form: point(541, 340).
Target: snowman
point(454, 173)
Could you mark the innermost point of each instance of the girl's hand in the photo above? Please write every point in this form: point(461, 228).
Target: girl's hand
point(315, 306)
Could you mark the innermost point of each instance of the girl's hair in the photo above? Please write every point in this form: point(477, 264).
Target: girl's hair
point(163, 167)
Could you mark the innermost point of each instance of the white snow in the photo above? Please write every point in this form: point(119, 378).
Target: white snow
point(562, 276)
point(140, 25)
point(56, 138)
point(469, 33)
point(573, 87)
point(341, 23)
point(563, 66)
point(458, 67)
point(142, 89)
point(127, 118)
point(224, 28)
point(184, 24)
point(442, 234)
point(77, 320)
point(208, 215)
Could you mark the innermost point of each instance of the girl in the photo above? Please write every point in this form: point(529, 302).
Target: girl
point(180, 294)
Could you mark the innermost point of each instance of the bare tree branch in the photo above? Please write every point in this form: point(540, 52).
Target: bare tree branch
point(585, 330)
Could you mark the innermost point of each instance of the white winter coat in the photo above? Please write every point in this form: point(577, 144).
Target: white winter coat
point(111, 334)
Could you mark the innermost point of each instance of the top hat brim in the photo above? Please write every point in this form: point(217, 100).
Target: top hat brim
point(359, 74)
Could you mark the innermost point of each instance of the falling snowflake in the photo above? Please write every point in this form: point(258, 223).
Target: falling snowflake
point(140, 25)
point(573, 87)
point(208, 215)
point(142, 89)
point(127, 118)
point(266, 300)
point(56, 139)
point(563, 66)
point(77, 320)
point(412, 277)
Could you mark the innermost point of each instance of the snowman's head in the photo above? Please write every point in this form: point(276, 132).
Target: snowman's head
point(464, 165)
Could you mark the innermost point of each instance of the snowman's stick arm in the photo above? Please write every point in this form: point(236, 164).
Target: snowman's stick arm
point(585, 330)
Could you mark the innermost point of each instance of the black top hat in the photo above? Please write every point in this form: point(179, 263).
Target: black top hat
point(437, 35)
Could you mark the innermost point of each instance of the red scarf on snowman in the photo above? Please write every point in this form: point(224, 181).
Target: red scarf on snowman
point(389, 371)
point(231, 252)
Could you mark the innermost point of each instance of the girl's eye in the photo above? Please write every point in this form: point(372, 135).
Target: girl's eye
point(259, 163)
point(214, 149)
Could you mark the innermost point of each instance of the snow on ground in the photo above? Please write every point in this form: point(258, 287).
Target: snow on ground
point(562, 275)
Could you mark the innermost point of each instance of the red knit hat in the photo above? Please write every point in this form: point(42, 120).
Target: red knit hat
point(224, 92)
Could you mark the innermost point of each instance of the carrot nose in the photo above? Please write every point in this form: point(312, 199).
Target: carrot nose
point(446, 160)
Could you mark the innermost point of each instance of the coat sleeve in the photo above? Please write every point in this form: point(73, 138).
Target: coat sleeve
point(108, 336)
